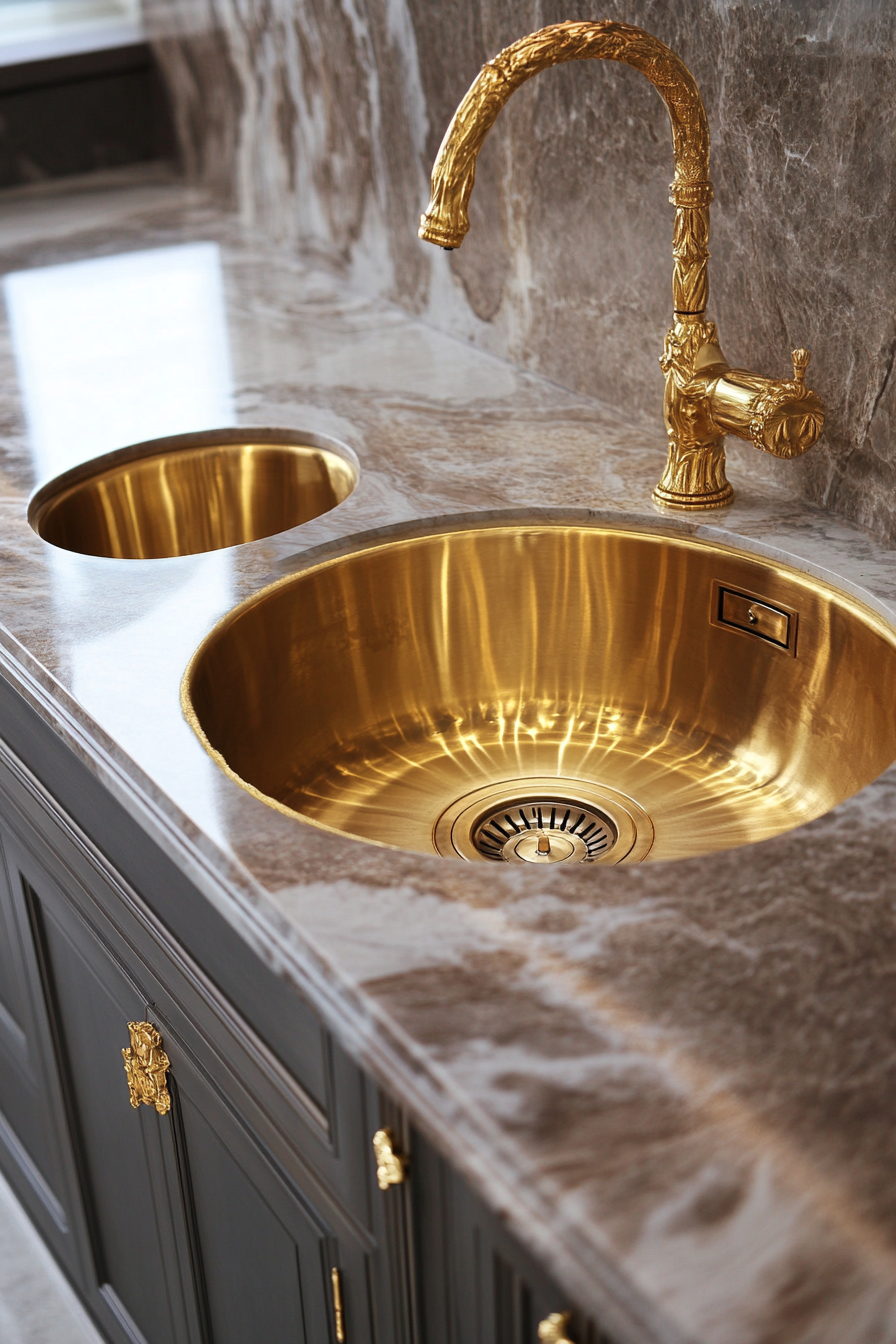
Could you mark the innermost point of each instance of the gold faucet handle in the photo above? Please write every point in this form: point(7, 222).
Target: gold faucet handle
point(786, 418)
point(780, 416)
point(800, 359)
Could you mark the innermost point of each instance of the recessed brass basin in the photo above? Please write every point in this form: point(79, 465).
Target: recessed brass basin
point(544, 693)
point(192, 493)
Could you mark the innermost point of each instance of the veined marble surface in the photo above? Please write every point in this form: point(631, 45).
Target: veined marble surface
point(322, 120)
point(676, 1080)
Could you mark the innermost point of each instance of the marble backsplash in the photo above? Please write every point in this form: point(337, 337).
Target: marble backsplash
point(319, 120)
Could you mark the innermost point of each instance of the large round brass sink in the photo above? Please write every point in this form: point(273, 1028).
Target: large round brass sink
point(192, 493)
point(541, 694)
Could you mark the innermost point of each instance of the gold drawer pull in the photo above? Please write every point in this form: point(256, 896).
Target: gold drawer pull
point(552, 1330)
point(391, 1166)
point(338, 1314)
point(146, 1066)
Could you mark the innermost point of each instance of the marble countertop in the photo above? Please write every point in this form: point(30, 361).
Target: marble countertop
point(675, 1080)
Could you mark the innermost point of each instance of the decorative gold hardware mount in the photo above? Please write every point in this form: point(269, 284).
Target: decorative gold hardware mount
point(338, 1313)
point(146, 1066)
point(391, 1165)
point(552, 1330)
point(705, 398)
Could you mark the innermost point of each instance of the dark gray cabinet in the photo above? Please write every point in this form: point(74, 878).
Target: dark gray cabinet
point(479, 1285)
point(32, 1105)
point(117, 1151)
point(226, 1219)
point(250, 1211)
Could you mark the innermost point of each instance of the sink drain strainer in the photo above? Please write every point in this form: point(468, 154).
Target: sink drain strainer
point(549, 831)
point(542, 821)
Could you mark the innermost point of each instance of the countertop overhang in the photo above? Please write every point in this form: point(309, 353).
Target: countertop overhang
point(675, 1081)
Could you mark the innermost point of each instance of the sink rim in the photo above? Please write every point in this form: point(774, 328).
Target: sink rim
point(47, 492)
point(677, 532)
point(659, 522)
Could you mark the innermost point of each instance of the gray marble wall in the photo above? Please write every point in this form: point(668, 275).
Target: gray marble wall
point(319, 119)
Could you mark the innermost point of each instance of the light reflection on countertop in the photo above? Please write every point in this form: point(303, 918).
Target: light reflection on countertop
point(117, 349)
point(103, 665)
point(110, 351)
point(654, 1070)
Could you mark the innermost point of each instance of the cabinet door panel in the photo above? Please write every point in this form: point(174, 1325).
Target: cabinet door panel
point(32, 1122)
point(91, 1001)
point(252, 1264)
point(11, 995)
point(266, 1239)
point(19, 1078)
point(266, 1249)
point(222, 1221)
point(478, 1285)
point(22, 1104)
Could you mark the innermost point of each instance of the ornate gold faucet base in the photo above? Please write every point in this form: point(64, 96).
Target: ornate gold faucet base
point(676, 499)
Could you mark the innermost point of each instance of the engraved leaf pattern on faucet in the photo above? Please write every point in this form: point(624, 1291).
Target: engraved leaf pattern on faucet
point(445, 221)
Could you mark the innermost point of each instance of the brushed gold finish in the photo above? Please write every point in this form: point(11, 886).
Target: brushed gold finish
point(146, 1066)
point(193, 493)
point(375, 693)
point(704, 397)
point(338, 1314)
point(391, 1165)
point(552, 1330)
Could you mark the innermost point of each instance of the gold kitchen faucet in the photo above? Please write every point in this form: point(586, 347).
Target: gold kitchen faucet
point(705, 398)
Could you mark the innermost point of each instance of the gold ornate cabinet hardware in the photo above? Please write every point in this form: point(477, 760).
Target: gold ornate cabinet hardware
point(552, 1330)
point(705, 399)
point(146, 1066)
point(391, 1164)
point(338, 1314)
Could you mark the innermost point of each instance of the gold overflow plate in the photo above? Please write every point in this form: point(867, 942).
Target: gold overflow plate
point(146, 1066)
point(748, 614)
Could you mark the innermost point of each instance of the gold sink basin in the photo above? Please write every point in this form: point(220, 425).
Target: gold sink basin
point(546, 693)
point(192, 493)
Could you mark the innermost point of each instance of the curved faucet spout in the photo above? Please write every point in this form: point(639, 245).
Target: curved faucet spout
point(705, 398)
point(445, 221)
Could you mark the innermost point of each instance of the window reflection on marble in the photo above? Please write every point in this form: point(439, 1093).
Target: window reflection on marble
point(115, 350)
point(132, 627)
point(112, 351)
point(33, 30)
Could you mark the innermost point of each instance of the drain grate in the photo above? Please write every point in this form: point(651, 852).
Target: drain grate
point(544, 819)
point(550, 830)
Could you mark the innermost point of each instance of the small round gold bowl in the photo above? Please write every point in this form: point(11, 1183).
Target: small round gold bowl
point(193, 493)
